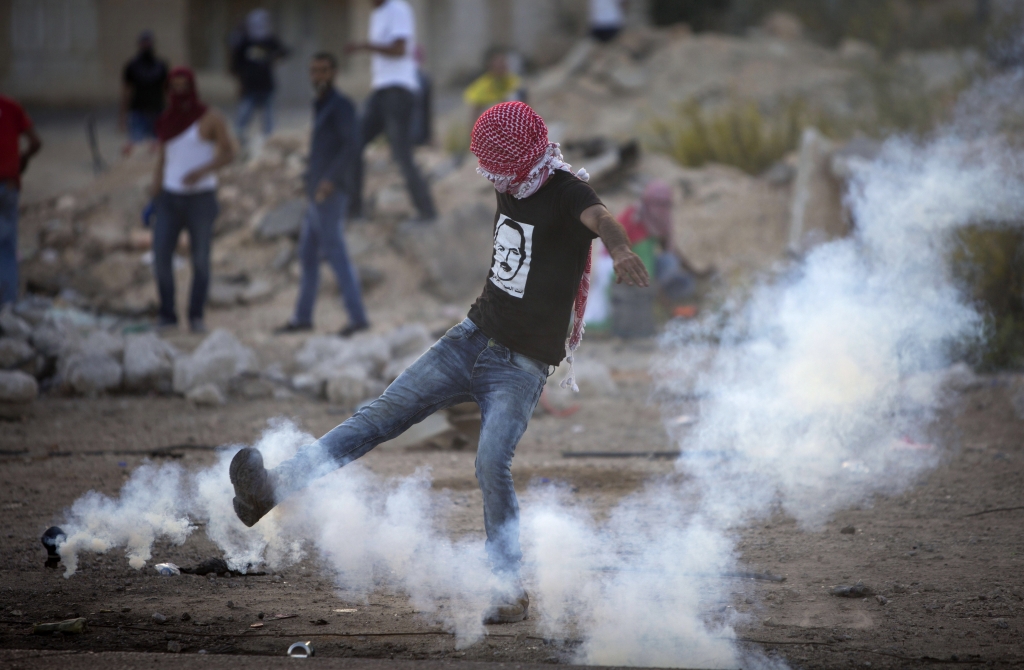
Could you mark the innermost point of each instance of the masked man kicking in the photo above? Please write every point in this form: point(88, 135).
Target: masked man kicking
point(527, 319)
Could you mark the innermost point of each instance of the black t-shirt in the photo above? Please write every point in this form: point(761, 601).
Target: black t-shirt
point(253, 63)
point(147, 75)
point(540, 252)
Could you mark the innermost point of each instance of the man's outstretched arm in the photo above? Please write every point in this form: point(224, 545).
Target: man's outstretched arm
point(628, 266)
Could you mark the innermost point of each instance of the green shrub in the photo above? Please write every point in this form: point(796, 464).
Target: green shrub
point(987, 261)
point(737, 134)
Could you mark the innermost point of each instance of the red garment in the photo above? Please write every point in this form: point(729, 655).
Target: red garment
point(183, 109)
point(635, 228)
point(509, 139)
point(13, 122)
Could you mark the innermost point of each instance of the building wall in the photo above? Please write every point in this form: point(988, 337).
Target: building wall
point(72, 51)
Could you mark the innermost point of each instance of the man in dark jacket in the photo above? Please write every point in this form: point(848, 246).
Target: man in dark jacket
point(253, 55)
point(331, 152)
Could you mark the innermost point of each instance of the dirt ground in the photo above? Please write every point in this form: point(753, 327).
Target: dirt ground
point(950, 578)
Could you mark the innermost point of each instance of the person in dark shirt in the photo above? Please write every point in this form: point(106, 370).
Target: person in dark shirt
point(14, 123)
point(143, 81)
point(331, 152)
point(253, 56)
point(498, 357)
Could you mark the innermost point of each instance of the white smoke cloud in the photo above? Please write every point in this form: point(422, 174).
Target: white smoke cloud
point(818, 396)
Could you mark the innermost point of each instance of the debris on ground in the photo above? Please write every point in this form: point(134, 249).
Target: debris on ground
point(69, 626)
point(167, 569)
point(858, 590)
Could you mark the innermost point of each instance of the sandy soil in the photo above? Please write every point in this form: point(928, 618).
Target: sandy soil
point(951, 577)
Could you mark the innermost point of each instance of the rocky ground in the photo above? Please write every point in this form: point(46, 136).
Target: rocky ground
point(942, 560)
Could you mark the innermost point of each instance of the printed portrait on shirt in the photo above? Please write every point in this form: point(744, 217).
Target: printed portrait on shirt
point(513, 244)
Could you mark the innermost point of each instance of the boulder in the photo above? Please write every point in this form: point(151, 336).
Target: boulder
point(323, 353)
point(91, 364)
point(12, 325)
point(206, 395)
point(48, 338)
point(283, 221)
point(148, 363)
point(14, 352)
point(16, 387)
point(91, 374)
point(215, 361)
point(411, 338)
point(398, 366)
point(347, 386)
point(308, 383)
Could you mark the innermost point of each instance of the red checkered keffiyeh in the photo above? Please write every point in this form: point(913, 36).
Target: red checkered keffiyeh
point(510, 141)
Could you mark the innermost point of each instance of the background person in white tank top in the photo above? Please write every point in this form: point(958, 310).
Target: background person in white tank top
point(194, 142)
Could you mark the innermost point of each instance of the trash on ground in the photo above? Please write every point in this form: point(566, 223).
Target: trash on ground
point(858, 590)
point(301, 650)
point(53, 538)
point(167, 569)
point(70, 626)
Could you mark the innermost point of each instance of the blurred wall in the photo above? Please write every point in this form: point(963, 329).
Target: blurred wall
point(72, 51)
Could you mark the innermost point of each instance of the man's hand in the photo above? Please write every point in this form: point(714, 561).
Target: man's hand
point(628, 267)
point(324, 190)
point(193, 177)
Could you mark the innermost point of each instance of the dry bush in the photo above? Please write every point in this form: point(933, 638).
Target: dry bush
point(988, 263)
point(737, 134)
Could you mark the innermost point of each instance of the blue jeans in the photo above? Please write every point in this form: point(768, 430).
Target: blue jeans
point(463, 366)
point(323, 238)
point(194, 212)
point(142, 126)
point(247, 107)
point(8, 243)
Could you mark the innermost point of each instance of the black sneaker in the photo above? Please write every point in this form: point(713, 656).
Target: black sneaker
point(508, 610)
point(350, 329)
point(254, 490)
point(290, 327)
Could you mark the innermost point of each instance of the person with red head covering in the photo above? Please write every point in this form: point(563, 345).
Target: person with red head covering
point(523, 324)
point(194, 142)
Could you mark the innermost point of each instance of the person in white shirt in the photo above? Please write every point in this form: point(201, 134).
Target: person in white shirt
point(606, 19)
point(389, 108)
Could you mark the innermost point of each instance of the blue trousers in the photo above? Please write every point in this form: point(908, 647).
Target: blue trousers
point(463, 366)
point(323, 238)
point(8, 244)
point(247, 106)
point(194, 212)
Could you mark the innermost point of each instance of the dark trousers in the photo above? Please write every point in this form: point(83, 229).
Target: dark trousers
point(194, 212)
point(323, 238)
point(389, 110)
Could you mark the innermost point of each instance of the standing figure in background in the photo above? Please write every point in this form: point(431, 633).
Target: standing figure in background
point(422, 130)
point(331, 150)
point(497, 84)
point(194, 142)
point(142, 93)
point(649, 226)
point(389, 109)
point(14, 123)
point(607, 17)
point(253, 56)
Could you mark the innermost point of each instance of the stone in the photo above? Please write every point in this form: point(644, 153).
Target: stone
point(216, 360)
point(206, 395)
point(308, 383)
point(411, 338)
point(114, 274)
point(346, 387)
point(282, 221)
point(258, 290)
point(17, 387)
point(159, 618)
point(174, 646)
point(456, 251)
point(12, 325)
point(91, 365)
point(398, 366)
point(14, 352)
point(91, 374)
point(224, 294)
point(48, 339)
point(148, 363)
point(783, 26)
point(323, 353)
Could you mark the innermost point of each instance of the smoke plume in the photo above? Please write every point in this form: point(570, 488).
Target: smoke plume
point(818, 394)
